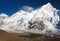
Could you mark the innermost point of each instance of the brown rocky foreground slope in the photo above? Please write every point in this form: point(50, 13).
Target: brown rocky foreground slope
point(4, 36)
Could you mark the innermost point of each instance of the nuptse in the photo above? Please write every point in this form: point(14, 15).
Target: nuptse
point(39, 21)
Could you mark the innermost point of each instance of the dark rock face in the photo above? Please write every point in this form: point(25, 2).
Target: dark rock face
point(4, 36)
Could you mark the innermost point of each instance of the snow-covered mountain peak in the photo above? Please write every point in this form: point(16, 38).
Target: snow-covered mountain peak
point(39, 21)
point(3, 14)
point(47, 6)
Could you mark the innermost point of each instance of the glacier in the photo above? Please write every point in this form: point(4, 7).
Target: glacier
point(28, 20)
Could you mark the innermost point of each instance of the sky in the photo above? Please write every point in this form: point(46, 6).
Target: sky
point(11, 6)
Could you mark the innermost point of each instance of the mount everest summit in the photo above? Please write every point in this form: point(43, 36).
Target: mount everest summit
point(42, 21)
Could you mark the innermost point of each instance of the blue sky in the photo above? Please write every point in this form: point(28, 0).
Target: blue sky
point(11, 6)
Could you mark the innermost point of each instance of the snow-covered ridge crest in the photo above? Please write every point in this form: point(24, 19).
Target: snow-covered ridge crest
point(39, 21)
